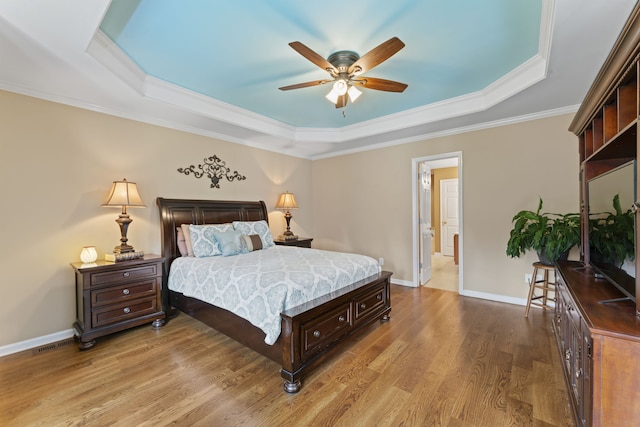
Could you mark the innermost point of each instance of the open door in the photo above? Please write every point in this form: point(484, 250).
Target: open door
point(426, 228)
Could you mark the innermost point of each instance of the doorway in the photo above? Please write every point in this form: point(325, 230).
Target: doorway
point(437, 221)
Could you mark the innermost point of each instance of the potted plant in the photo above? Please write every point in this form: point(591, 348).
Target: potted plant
point(550, 235)
point(611, 235)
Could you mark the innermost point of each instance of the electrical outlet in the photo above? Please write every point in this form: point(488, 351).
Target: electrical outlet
point(380, 262)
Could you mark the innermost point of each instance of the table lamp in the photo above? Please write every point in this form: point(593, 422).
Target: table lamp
point(124, 193)
point(287, 201)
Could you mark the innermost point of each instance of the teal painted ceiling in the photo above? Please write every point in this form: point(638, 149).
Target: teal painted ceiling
point(237, 51)
point(213, 68)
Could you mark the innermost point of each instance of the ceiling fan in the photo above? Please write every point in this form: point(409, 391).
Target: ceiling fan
point(345, 68)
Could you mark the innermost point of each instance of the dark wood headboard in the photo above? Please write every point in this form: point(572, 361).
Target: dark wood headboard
point(175, 212)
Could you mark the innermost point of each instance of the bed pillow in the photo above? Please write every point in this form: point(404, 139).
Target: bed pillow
point(261, 228)
point(203, 239)
point(252, 242)
point(182, 243)
point(187, 239)
point(230, 242)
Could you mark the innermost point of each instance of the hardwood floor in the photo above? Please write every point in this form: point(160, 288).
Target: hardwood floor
point(442, 360)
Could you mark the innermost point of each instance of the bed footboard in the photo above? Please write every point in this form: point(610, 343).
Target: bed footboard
point(312, 331)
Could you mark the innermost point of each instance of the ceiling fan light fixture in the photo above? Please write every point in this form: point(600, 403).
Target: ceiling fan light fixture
point(332, 96)
point(344, 65)
point(354, 93)
point(339, 88)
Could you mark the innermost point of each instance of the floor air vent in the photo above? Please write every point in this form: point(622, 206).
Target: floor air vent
point(52, 346)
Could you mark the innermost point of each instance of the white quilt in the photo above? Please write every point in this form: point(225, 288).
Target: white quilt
point(259, 285)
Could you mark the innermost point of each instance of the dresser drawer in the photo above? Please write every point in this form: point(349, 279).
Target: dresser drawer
point(123, 311)
point(124, 274)
point(370, 303)
point(325, 329)
point(114, 294)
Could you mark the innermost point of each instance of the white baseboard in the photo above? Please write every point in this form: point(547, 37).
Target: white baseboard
point(495, 297)
point(35, 342)
point(403, 283)
point(502, 298)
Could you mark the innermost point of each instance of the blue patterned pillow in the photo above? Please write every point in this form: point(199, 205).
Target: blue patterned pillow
point(203, 239)
point(261, 228)
point(230, 242)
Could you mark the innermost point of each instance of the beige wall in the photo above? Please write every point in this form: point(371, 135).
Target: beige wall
point(56, 168)
point(57, 164)
point(363, 201)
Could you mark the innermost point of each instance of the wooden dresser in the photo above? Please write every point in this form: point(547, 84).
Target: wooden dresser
point(599, 342)
point(599, 346)
point(111, 297)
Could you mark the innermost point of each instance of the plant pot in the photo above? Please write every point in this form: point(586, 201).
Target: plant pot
point(542, 257)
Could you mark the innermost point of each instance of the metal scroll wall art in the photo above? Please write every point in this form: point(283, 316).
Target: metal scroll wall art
point(213, 168)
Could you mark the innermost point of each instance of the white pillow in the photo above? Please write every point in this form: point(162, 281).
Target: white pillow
point(261, 228)
point(203, 239)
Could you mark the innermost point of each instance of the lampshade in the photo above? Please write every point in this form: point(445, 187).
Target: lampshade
point(124, 193)
point(332, 96)
point(286, 201)
point(354, 93)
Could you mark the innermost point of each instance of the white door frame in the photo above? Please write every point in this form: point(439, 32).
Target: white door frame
point(415, 162)
point(425, 197)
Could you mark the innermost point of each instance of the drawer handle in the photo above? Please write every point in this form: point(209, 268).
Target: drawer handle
point(125, 274)
point(125, 291)
point(578, 373)
point(316, 333)
point(341, 319)
point(379, 297)
point(363, 306)
point(567, 354)
point(126, 310)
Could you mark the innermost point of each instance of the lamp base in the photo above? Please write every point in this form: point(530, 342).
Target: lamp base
point(123, 249)
point(288, 235)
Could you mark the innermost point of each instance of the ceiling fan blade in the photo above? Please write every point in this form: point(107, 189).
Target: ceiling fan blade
point(342, 101)
point(376, 56)
point(314, 57)
point(380, 84)
point(307, 84)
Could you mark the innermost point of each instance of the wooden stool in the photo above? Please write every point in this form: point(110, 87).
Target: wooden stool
point(543, 284)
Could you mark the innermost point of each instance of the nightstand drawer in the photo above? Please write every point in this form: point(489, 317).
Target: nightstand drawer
point(111, 295)
point(325, 329)
point(123, 274)
point(124, 311)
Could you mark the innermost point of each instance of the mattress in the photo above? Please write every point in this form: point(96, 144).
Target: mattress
point(259, 285)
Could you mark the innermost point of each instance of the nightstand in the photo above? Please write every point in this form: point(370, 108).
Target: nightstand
point(113, 296)
point(302, 242)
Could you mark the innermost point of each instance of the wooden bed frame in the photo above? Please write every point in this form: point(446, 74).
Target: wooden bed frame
point(310, 332)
